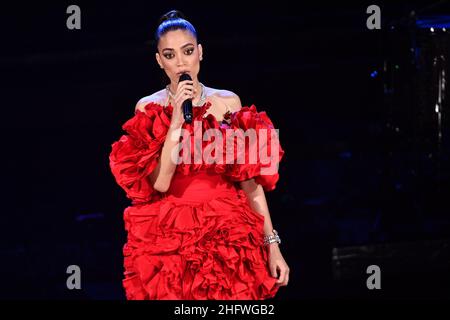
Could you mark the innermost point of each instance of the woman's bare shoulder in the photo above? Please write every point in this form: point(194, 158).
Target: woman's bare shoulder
point(227, 97)
point(221, 93)
point(157, 97)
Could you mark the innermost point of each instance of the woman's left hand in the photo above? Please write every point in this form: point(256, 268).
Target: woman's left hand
point(278, 266)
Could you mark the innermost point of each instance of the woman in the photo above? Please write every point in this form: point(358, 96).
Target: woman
point(196, 230)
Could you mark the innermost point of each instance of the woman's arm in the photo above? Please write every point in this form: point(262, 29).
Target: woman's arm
point(163, 173)
point(161, 176)
point(257, 201)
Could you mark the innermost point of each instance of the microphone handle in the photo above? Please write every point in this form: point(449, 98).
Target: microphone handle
point(187, 104)
point(187, 110)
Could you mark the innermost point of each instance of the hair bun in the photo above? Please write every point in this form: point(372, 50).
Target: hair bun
point(173, 14)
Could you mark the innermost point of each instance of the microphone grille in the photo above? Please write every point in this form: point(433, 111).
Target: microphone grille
point(184, 77)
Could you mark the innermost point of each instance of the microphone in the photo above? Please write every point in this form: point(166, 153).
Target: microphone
point(187, 104)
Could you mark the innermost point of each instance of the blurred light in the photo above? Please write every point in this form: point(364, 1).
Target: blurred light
point(345, 155)
point(89, 216)
point(436, 21)
point(397, 67)
point(432, 29)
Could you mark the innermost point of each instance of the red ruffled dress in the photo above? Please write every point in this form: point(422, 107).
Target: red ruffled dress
point(199, 240)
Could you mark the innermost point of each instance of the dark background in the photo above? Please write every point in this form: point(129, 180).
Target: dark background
point(363, 172)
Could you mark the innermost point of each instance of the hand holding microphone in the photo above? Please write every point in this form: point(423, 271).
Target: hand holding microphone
point(182, 111)
point(187, 104)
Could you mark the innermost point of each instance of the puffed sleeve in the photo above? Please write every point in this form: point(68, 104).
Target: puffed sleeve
point(257, 149)
point(135, 155)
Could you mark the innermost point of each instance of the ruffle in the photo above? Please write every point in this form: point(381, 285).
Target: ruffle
point(135, 155)
point(199, 251)
point(207, 123)
point(265, 148)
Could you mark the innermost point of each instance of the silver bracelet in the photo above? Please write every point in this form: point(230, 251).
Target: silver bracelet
point(268, 239)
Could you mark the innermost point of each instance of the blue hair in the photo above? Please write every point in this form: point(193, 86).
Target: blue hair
point(173, 20)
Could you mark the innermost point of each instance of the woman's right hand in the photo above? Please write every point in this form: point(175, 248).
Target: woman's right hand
point(185, 90)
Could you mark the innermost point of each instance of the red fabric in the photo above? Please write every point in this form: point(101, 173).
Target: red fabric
point(200, 239)
point(245, 119)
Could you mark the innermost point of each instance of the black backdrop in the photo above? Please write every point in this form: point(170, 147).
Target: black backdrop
point(345, 181)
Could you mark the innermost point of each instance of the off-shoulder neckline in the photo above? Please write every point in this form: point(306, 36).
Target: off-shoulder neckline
point(205, 106)
point(170, 104)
